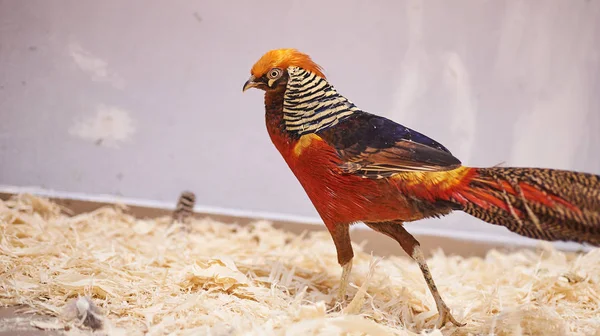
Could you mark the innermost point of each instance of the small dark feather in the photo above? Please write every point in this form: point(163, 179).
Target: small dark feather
point(185, 207)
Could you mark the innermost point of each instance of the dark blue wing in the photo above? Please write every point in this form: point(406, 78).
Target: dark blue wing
point(376, 147)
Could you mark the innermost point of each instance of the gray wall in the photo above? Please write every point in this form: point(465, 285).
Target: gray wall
point(143, 98)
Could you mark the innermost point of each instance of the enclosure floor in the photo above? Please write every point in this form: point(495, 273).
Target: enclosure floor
point(148, 277)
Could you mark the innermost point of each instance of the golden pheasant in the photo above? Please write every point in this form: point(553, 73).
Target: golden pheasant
point(360, 167)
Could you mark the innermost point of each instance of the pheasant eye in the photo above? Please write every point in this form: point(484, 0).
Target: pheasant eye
point(275, 73)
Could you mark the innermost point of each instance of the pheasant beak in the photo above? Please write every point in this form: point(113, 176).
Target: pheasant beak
point(250, 83)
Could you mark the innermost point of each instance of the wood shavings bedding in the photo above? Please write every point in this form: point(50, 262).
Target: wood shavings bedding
point(148, 277)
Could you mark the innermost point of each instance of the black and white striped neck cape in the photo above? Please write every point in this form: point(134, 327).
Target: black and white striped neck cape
point(311, 104)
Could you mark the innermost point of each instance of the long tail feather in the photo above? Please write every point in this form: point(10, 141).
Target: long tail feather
point(538, 203)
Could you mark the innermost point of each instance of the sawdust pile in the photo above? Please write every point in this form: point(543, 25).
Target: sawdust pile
point(147, 277)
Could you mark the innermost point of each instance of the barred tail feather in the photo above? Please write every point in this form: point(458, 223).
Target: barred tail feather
point(547, 204)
